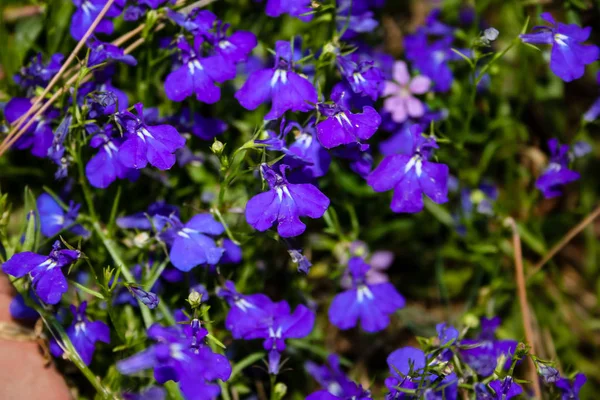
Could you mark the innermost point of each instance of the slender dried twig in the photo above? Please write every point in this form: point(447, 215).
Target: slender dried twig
point(18, 130)
point(522, 294)
point(563, 242)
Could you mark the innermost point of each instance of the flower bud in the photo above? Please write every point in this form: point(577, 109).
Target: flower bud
point(195, 299)
point(217, 147)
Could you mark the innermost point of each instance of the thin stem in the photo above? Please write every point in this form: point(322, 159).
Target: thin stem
point(522, 294)
point(129, 278)
point(566, 239)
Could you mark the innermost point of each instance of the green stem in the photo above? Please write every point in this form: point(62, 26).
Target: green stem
point(208, 325)
point(219, 216)
point(114, 253)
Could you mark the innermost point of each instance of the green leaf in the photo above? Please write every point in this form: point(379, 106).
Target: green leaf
point(87, 290)
point(216, 341)
point(439, 212)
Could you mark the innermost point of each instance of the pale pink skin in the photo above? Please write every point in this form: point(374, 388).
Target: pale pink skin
point(402, 103)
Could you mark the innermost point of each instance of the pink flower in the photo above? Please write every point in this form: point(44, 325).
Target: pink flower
point(401, 102)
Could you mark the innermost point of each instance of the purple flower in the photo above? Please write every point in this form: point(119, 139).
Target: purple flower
point(570, 389)
point(191, 244)
point(148, 298)
point(407, 369)
point(331, 377)
point(371, 304)
point(198, 74)
point(569, 56)
point(86, 13)
point(362, 76)
point(155, 218)
point(412, 175)
point(84, 334)
point(286, 89)
point(557, 173)
point(53, 219)
point(297, 257)
point(401, 102)
point(147, 144)
point(19, 310)
point(232, 254)
point(295, 8)
point(447, 335)
point(205, 128)
point(101, 52)
point(235, 47)
point(106, 166)
point(152, 393)
point(548, 373)
point(180, 355)
point(39, 135)
point(433, 26)
point(343, 127)
point(306, 153)
point(246, 312)
point(197, 21)
point(594, 110)
point(354, 19)
point(404, 363)
point(482, 353)
point(284, 203)
point(432, 58)
point(37, 73)
point(506, 388)
point(47, 279)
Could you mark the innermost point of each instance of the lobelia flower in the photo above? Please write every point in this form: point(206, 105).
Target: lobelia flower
point(337, 384)
point(84, 334)
point(287, 90)
point(482, 353)
point(246, 312)
point(151, 393)
point(570, 389)
point(402, 103)
point(205, 128)
point(20, 310)
point(362, 76)
point(412, 175)
point(86, 13)
point(180, 355)
point(371, 304)
point(155, 218)
point(53, 219)
point(147, 144)
point(297, 257)
point(594, 111)
point(284, 203)
point(305, 155)
point(236, 47)
point(548, 373)
point(481, 199)
point(105, 166)
point(190, 243)
point(36, 73)
point(432, 59)
point(568, 56)
point(353, 20)
point(433, 26)
point(232, 254)
point(407, 366)
point(343, 127)
point(147, 298)
point(447, 336)
point(47, 279)
point(197, 21)
point(39, 135)
point(505, 389)
point(295, 8)
point(361, 160)
point(557, 173)
point(102, 51)
point(198, 74)
point(280, 324)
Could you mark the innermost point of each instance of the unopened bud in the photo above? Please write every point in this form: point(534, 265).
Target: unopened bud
point(217, 147)
point(195, 299)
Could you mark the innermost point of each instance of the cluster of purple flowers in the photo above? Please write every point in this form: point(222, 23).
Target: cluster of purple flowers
point(372, 92)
